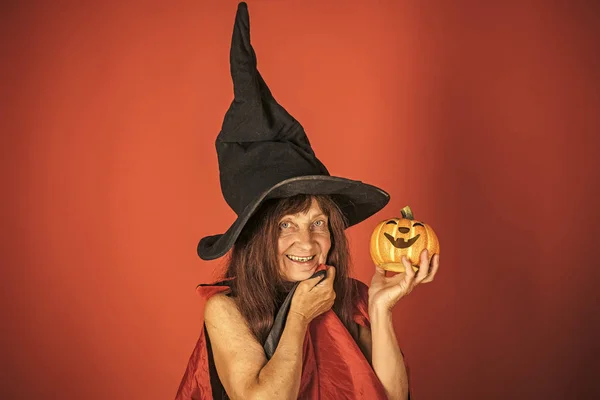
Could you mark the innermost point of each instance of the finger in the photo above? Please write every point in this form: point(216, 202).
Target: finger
point(404, 280)
point(310, 283)
point(321, 267)
point(410, 273)
point(330, 277)
point(423, 266)
point(435, 264)
point(379, 270)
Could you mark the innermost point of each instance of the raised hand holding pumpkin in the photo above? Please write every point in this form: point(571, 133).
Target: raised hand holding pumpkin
point(384, 292)
point(406, 246)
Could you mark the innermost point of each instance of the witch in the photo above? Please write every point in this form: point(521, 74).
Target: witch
point(287, 321)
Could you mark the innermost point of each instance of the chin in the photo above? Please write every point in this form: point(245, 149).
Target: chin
point(299, 276)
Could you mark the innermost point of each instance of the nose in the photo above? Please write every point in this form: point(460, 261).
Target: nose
point(304, 239)
point(403, 229)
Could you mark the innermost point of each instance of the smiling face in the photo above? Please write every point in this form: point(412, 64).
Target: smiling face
point(303, 243)
point(397, 232)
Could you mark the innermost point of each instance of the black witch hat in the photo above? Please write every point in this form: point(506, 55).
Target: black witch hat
point(264, 153)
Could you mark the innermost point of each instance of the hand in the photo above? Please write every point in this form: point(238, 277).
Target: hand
point(314, 296)
point(385, 292)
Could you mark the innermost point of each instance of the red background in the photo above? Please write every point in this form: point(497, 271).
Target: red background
point(482, 116)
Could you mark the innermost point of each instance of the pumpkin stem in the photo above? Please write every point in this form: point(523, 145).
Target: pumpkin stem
point(407, 213)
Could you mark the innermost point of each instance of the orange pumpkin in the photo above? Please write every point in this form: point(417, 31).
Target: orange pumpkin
point(397, 237)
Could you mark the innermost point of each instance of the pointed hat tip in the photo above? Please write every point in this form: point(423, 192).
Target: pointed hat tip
point(241, 16)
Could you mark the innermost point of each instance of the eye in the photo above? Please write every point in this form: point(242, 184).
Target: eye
point(284, 225)
point(320, 223)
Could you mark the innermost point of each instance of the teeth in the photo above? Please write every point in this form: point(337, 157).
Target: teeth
point(300, 259)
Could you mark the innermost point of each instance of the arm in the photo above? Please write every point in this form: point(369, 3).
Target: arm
point(387, 359)
point(381, 343)
point(240, 359)
point(381, 349)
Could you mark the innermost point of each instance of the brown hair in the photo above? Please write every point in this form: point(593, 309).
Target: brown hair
point(259, 288)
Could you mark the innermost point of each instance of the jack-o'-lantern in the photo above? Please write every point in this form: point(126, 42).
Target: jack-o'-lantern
point(397, 237)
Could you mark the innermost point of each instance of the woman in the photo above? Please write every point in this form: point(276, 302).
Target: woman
point(337, 339)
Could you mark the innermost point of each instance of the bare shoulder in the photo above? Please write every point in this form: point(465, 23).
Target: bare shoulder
point(218, 306)
point(238, 356)
point(222, 316)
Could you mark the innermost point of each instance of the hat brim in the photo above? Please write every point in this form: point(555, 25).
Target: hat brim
point(357, 201)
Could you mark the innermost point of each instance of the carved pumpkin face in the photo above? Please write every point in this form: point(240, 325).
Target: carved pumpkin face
point(396, 237)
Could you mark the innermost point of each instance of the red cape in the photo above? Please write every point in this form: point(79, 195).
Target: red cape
point(333, 367)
